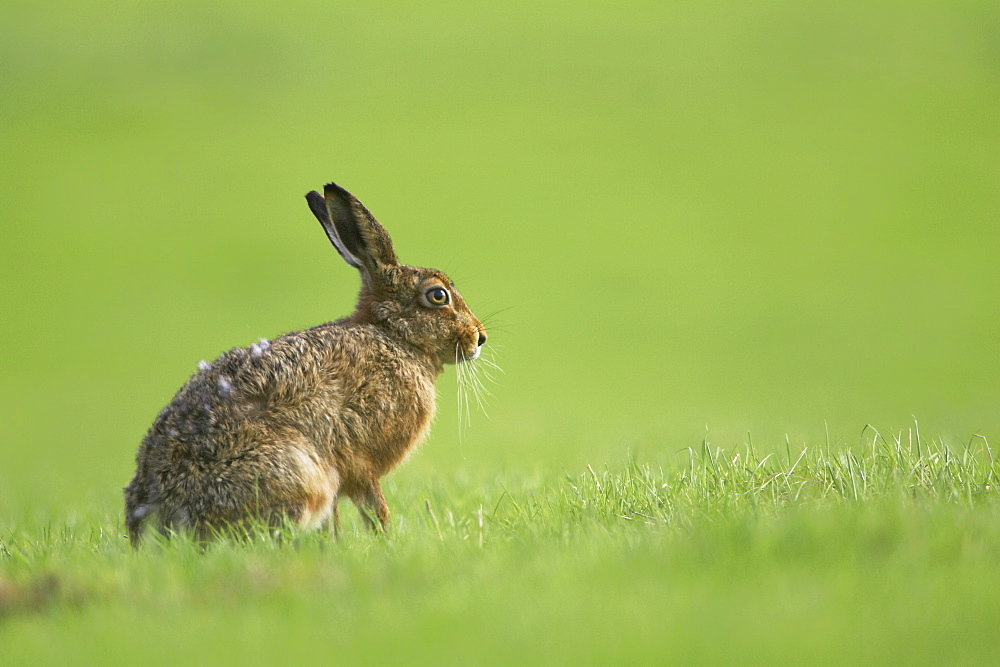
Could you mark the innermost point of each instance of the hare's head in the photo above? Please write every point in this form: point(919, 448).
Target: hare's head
point(415, 305)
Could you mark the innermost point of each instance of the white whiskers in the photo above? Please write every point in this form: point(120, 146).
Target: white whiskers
point(470, 375)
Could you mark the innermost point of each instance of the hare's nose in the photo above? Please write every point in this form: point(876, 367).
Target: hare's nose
point(482, 338)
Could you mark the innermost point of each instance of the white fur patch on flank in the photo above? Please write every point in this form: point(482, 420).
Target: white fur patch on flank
point(172, 432)
point(258, 349)
point(225, 386)
point(141, 511)
point(204, 365)
point(320, 485)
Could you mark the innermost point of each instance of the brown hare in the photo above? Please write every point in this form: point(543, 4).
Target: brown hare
point(285, 427)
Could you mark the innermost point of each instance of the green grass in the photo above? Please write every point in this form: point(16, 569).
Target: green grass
point(889, 551)
point(776, 218)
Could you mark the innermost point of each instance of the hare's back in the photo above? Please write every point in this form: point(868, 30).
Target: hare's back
point(307, 378)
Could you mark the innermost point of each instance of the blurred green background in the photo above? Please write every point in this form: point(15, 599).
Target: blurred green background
point(776, 217)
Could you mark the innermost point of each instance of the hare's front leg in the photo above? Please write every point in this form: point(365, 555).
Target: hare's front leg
point(334, 520)
point(371, 503)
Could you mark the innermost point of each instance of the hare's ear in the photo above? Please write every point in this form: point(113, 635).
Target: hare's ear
point(353, 230)
point(318, 206)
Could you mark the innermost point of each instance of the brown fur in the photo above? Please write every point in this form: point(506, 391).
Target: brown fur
point(283, 429)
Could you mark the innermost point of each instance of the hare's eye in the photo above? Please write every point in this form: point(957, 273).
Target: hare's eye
point(437, 296)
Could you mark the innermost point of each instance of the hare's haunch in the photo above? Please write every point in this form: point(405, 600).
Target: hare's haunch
point(285, 427)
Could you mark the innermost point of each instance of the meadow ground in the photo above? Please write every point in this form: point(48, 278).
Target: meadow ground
point(684, 222)
point(885, 555)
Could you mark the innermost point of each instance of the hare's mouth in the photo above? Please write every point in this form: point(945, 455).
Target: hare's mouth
point(460, 357)
point(460, 354)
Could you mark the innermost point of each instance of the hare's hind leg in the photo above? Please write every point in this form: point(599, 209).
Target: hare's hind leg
point(283, 480)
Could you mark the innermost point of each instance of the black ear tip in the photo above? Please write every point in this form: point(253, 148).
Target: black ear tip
point(333, 188)
point(312, 196)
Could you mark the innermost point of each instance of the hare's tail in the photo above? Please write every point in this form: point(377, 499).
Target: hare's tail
point(139, 508)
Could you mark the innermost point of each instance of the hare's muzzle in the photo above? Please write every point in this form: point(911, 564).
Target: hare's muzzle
point(480, 341)
point(469, 345)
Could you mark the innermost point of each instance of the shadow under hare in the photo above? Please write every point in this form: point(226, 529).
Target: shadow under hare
point(282, 429)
